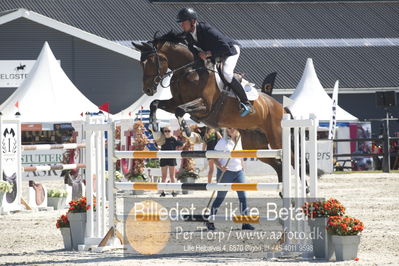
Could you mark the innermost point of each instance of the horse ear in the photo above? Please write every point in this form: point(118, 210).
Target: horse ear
point(138, 46)
point(147, 46)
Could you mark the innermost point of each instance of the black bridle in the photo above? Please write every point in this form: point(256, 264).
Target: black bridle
point(158, 78)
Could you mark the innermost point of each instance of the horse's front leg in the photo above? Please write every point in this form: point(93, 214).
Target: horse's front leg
point(194, 106)
point(167, 105)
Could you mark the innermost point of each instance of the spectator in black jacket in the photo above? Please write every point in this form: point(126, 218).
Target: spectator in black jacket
point(214, 44)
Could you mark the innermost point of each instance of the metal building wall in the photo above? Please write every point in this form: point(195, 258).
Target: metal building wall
point(101, 74)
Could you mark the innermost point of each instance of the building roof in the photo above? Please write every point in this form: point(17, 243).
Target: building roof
point(355, 42)
point(10, 15)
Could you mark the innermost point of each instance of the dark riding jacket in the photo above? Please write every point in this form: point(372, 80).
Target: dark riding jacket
point(211, 39)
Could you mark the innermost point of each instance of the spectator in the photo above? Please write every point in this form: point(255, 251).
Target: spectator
point(208, 137)
point(168, 142)
point(230, 171)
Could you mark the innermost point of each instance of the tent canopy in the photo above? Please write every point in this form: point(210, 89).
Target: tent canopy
point(310, 97)
point(144, 103)
point(47, 95)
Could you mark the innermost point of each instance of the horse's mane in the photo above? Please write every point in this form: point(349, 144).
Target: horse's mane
point(171, 37)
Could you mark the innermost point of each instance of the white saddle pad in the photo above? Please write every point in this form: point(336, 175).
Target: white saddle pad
point(249, 88)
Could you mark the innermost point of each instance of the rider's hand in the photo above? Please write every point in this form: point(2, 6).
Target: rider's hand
point(204, 55)
point(223, 168)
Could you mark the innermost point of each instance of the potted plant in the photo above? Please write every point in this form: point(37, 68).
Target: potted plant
point(139, 143)
point(186, 176)
point(317, 213)
point(345, 233)
point(64, 226)
point(77, 219)
point(56, 198)
point(187, 172)
point(5, 187)
point(138, 177)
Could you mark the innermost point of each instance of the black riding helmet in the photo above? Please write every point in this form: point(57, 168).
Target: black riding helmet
point(186, 13)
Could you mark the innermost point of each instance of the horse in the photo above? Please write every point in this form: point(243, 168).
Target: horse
point(194, 91)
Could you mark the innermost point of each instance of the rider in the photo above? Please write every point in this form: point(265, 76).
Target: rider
point(215, 45)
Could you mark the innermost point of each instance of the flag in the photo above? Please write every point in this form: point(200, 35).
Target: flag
point(104, 107)
point(333, 119)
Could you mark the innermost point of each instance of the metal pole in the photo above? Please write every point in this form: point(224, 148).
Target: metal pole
point(386, 164)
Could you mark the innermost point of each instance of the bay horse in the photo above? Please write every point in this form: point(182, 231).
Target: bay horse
point(194, 90)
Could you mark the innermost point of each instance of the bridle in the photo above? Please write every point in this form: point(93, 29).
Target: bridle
point(158, 78)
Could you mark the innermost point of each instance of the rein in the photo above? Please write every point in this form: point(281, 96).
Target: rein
point(158, 78)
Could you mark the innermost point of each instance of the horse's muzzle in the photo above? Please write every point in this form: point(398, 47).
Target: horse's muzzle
point(150, 90)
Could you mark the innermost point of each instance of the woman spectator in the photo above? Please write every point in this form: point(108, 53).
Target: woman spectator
point(208, 137)
point(168, 142)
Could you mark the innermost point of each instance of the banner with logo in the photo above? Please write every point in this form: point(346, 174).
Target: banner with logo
point(14, 72)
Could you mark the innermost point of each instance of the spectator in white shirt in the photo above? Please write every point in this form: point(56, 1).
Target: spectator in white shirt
point(230, 173)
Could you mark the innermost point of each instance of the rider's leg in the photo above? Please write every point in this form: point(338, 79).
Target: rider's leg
point(228, 72)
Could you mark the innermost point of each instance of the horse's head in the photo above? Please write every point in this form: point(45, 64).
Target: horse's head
point(154, 64)
point(154, 58)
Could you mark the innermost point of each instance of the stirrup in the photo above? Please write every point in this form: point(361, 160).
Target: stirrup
point(245, 109)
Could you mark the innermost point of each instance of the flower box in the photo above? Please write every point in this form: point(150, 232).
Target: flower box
point(66, 237)
point(322, 244)
point(318, 213)
point(345, 236)
point(64, 226)
point(346, 247)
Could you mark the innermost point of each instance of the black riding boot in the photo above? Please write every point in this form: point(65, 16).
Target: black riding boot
point(246, 106)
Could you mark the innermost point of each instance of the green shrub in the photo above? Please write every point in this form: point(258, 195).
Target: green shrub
point(56, 193)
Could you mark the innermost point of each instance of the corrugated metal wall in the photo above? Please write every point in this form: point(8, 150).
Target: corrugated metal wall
point(102, 75)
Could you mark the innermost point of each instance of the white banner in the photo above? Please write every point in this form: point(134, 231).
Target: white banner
point(37, 157)
point(14, 72)
point(333, 119)
point(324, 155)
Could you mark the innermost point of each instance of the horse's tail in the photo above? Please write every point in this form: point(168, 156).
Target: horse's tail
point(268, 83)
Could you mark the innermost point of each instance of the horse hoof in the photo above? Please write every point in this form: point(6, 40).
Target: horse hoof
point(187, 131)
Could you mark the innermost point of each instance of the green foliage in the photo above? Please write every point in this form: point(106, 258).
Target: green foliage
point(5, 186)
point(56, 193)
point(186, 174)
point(153, 163)
point(137, 178)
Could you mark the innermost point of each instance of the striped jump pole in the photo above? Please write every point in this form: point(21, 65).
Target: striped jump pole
point(46, 147)
point(53, 167)
point(199, 186)
point(198, 154)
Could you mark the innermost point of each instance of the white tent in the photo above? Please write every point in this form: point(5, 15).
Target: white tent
point(144, 103)
point(310, 97)
point(47, 95)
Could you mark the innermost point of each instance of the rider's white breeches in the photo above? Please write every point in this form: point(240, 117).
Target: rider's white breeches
point(229, 64)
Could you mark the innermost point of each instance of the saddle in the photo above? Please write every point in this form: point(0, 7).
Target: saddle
point(223, 85)
point(11, 196)
point(39, 192)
